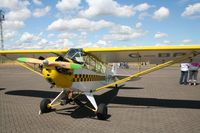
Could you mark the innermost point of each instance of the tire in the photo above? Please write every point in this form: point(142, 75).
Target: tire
point(44, 105)
point(102, 112)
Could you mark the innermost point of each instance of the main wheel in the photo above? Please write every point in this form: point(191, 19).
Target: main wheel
point(44, 105)
point(102, 112)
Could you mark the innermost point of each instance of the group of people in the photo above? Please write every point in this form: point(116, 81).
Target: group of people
point(189, 73)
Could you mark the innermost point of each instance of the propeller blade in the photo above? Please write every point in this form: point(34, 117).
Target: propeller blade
point(30, 60)
point(66, 65)
point(62, 64)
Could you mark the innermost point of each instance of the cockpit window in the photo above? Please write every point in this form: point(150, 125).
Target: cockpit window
point(76, 55)
point(88, 61)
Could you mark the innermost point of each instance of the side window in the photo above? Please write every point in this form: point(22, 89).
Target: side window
point(92, 64)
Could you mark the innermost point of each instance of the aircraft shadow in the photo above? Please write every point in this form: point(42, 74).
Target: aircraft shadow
point(76, 112)
point(109, 97)
point(156, 102)
point(1, 89)
point(33, 93)
point(83, 112)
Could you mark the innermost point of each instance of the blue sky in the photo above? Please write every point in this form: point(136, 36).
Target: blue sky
point(47, 24)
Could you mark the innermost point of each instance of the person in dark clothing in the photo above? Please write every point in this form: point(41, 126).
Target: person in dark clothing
point(193, 72)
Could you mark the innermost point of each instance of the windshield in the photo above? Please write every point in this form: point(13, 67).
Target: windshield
point(76, 55)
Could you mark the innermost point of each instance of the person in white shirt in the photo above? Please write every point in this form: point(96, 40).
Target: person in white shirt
point(184, 73)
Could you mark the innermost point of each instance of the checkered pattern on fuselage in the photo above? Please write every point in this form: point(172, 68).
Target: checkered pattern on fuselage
point(87, 78)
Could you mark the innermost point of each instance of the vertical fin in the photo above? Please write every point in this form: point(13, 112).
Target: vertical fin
point(91, 99)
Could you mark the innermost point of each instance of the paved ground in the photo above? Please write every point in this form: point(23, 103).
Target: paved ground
point(156, 103)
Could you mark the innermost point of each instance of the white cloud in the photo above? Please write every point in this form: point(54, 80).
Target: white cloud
point(37, 2)
point(13, 4)
point(13, 25)
point(82, 37)
point(86, 45)
point(29, 41)
point(78, 24)
point(106, 7)
point(111, 8)
point(142, 7)
point(59, 44)
point(41, 12)
point(65, 43)
point(123, 33)
point(159, 44)
point(19, 15)
point(43, 42)
point(191, 10)
point(159, 35)
point(166, 42)
point(51, 35)
point(138, 25)
point(16, 13)
point(67, 35)
point(161, 13)
point(123, 37)
point(27, 38)
point(9, 34)
point(186, 41)
point(103, 43)
point(64, 5)
point(143, 15)
point(121, 29)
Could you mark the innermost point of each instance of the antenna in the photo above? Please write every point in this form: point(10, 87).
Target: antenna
point(2, 18)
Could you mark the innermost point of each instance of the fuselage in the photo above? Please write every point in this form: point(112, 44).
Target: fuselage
point(85, 79)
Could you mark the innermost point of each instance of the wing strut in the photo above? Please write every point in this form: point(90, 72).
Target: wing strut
point(163, 65)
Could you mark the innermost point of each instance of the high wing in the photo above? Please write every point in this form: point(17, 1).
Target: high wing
point(153, 54)
point(14, 54)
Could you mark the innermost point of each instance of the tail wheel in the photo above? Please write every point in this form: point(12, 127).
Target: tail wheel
point(44, 105)
point(102, 112)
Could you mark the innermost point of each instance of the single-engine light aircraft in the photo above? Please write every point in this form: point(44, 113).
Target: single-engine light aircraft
point(86, 70)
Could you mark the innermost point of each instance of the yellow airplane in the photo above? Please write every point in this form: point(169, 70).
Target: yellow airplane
point(86, 70)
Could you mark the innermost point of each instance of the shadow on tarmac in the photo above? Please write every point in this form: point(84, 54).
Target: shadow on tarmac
point(33, 93)
point(127, 88)
point(108, 97)
point(2, 89)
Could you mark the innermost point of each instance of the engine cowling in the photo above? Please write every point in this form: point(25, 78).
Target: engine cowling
point(61, 78)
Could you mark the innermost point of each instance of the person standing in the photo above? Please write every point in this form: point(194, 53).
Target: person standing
point(184, 73)
point(193, 72)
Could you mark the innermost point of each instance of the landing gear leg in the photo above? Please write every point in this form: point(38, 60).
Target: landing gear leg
point(46, 104)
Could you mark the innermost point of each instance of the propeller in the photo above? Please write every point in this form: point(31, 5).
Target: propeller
point(62, 64)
